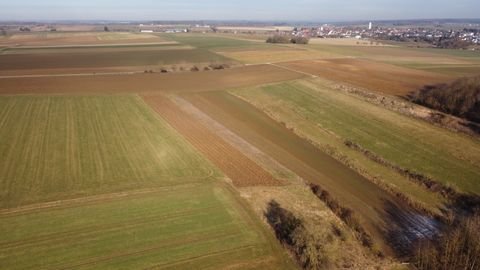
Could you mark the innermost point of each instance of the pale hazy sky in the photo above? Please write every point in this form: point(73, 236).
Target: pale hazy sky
point(315, 10)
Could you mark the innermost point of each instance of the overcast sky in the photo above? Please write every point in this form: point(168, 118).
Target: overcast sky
point(313, 10)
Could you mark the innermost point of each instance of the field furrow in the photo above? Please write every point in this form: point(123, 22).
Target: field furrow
point(242, 170)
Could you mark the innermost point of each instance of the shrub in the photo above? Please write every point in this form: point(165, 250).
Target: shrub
point(300, 40)
point(290, 230)
point(286, 39)
point(457, 248)
point(278, 39)
point(345, 214)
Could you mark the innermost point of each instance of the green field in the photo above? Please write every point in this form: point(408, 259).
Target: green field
point(54, 147)
point(101, 182)
point(322, 113)
point(212, 42)
point(182, 227)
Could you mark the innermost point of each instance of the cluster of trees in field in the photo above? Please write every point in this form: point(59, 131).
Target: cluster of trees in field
point(287, 39)
point(291, 231)
point(460, 98)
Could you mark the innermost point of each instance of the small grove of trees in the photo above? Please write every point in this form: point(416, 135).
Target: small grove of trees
point(460, 98)
point(106, 29)
point(457, 248)
point(300, 40)
point(286, 39)
point(291, 231)
point(24, 29)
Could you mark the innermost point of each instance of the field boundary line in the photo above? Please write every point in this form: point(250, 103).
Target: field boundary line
point(191, 259)
point(72, 74)
point(112, 227)
point(205, 236)
point(293, 70)
point(91, 199)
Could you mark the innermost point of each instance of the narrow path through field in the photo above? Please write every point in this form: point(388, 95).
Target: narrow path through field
point(242, 170)
point(294, 70)
point(71, 74)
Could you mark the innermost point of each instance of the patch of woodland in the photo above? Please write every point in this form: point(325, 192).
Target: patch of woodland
point(460, 98)
point(405, 106)
point(285, 39)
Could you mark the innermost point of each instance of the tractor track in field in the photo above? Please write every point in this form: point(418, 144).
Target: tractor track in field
point(205, 236)
point(89, 200)
point(82, 232)
point(239, 168)
point(213, 254)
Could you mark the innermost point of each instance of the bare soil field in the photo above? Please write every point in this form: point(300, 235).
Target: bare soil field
point(371, 75)
point(239, 168)
point(72, 38)
point(313, 165)
point(167, 45)
point(99, 57)
point(272, 55)
point(148, 83)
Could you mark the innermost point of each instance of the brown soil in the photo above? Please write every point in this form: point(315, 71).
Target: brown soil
point(97, 58)
point(239, 168)
point(374, 76)
point(372, 204)
point(149, 83)
point(80, 38)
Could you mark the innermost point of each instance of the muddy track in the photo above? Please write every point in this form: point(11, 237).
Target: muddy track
point(372, 204)
point(239, 168)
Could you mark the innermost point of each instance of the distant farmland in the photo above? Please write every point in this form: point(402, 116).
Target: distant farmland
point(134, 151)
point(98, 57)
point(76, 38)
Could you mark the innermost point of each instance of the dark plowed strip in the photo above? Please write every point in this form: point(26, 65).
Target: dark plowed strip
point(242, 170)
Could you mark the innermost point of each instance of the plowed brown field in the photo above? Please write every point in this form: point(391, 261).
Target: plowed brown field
point(242, 170)
point(58, 38)
point(147, 83)
point(367, 74)
point(373, 205)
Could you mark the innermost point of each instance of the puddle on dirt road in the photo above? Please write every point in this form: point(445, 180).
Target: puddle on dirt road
point(408, 227)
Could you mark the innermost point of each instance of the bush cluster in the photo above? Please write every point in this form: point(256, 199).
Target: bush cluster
point(345, 214)
point(287, 39)
point(457, 248)
point(460, 98)
point(291, 231)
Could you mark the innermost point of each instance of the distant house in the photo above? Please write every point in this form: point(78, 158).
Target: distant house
point(146, 31)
